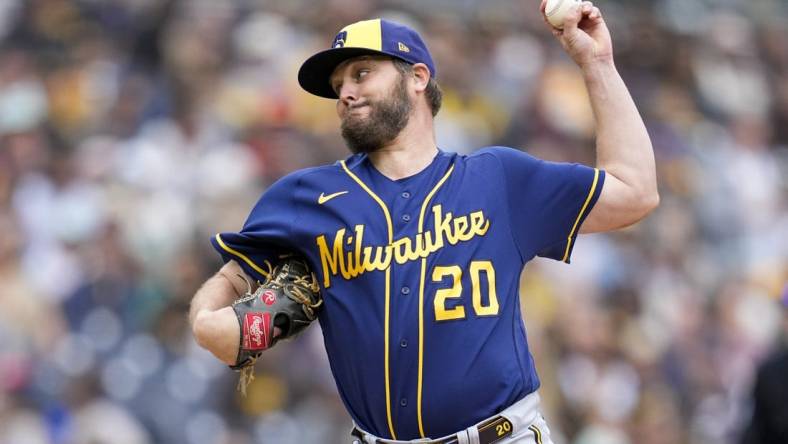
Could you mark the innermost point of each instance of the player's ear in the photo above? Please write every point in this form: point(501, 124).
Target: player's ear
point(421, 76)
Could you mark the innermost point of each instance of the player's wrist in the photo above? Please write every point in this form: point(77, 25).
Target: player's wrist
point(598, 73)
point(597, 65)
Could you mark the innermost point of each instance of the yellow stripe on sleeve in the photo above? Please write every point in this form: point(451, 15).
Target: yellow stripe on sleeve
point(580, 215)
point(241, 256)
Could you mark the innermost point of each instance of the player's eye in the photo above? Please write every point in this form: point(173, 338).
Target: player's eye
point(361, 73)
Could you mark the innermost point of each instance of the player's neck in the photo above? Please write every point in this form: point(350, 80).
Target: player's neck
point(412, 151)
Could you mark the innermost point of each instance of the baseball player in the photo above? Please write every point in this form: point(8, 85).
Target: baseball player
point(418, 251)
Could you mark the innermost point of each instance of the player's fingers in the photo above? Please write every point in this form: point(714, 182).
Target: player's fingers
point(547, 22)
point(595, 13)
point(543, 13)
point(573, 17)
point(585, 9)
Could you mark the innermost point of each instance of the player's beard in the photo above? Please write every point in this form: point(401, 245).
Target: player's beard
point(385, 120)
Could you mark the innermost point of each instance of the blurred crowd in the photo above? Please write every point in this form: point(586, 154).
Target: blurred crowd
point(133, 130)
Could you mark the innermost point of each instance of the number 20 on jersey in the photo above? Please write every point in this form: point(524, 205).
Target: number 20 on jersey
point(454, 273)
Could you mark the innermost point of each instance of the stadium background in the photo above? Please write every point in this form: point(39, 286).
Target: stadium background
point(132, 130)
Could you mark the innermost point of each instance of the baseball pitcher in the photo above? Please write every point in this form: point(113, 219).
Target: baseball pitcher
point(409, 255)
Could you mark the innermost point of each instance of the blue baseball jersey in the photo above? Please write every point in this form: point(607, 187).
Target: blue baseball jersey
point(420, 276)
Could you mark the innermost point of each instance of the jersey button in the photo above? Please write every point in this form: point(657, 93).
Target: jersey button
point(405, 195)
point(406, 217)
point(403, 343)
point(403, 402)
point(405, 290)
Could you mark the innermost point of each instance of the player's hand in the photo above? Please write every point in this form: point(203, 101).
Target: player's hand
point(585, 36)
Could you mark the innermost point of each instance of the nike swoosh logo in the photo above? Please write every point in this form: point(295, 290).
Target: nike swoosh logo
point(323, 198)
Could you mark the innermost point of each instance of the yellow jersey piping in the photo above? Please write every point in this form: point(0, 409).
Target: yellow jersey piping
point(388, 284)
point(421, 300)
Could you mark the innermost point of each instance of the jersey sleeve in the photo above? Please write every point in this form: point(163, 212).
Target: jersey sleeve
point(548, 202)
point(266, 234)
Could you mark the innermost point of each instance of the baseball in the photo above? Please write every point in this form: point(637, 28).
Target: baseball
point(556, 10)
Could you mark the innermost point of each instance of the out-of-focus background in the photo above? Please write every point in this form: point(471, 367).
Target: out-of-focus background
point(132, 130)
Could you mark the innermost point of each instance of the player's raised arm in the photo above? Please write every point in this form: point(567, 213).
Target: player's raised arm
point(623, 146)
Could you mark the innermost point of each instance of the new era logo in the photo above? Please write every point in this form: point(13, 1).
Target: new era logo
point(402, 47)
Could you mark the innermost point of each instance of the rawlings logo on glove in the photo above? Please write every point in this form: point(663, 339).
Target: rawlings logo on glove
point(255, 331)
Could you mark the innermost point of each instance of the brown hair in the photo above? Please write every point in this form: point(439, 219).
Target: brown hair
point(433, 92)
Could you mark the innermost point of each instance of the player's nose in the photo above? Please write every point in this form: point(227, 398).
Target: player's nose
point(348, 94)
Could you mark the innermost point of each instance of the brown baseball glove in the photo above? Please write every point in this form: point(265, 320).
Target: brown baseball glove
point(281, 307)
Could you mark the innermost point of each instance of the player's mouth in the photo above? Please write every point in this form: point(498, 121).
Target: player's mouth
point(356, 109)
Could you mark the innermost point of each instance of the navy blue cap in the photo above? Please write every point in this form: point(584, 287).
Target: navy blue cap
point(368, 37)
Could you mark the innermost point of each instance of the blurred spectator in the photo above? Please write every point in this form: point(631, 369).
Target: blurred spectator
point(769, 423)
